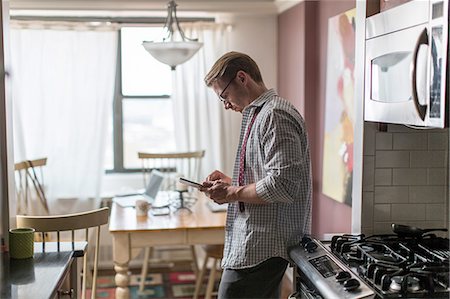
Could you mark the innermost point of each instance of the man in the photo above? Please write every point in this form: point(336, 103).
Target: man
point(270, 194)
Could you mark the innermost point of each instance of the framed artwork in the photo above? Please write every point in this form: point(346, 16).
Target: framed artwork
point(339, 108)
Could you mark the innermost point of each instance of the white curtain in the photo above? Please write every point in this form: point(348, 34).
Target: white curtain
point(62, 90)
point(201, 122)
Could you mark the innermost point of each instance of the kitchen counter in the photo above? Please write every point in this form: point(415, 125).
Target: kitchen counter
point(41, 276)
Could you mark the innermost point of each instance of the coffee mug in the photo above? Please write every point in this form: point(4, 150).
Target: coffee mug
point(142, 207)
point(21, 243)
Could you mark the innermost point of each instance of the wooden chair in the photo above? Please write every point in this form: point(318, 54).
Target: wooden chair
point(29, 187)
point(186, 164)
point(71, 223)
point(215, 253)
point(173, 165)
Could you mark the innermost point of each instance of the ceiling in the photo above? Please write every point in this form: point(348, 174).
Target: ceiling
point(147, 7)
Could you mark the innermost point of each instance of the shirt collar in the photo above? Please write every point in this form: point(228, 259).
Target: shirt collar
point(262, 99)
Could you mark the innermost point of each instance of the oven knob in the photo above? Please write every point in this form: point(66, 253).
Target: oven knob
point(310, 246)
point(342, 276)
point(305, 240)
point(351, 284)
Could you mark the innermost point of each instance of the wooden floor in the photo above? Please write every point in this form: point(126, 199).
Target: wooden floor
point(286, 284)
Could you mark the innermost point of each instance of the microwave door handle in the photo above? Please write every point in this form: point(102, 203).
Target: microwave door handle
point(422, 40)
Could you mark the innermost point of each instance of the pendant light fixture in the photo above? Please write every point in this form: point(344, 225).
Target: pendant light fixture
point(175, 48)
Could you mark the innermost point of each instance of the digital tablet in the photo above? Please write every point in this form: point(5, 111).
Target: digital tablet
point(190, 183)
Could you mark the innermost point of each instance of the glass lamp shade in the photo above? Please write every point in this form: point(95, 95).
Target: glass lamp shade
point(172, 53)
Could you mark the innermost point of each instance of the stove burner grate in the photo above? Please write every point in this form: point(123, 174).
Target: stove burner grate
point(399, 283)
point(397, 266)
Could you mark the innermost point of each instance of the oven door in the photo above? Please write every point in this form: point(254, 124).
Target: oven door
point(304, 288)
point(397, 77)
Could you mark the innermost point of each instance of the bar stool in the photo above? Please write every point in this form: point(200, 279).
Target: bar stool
point(215, 252)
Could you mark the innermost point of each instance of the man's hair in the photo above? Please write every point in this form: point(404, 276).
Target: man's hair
point(229, 64)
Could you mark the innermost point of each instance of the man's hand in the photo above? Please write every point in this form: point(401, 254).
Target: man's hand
point(220, 191)
point(217, 175)
point(212, 178)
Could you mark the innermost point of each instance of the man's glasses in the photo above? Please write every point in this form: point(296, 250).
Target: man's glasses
point(221, 94)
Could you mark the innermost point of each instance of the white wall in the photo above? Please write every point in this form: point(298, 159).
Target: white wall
point(257, 37)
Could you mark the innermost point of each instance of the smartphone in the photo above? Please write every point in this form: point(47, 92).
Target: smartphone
point(190, 183)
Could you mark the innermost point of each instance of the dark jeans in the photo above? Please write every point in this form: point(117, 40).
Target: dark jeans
point(261, 281)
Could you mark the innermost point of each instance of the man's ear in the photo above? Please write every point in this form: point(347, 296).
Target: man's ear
point(241, 76)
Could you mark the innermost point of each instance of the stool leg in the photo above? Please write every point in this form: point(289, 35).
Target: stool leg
point(194, 260)
point(211, 280)
point(199, 281)
point(147, 252)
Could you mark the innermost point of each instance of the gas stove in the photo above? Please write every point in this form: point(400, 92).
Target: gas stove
point(398, 266)
point(378, 266)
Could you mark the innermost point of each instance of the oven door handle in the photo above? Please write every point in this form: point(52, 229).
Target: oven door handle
point(422, 40)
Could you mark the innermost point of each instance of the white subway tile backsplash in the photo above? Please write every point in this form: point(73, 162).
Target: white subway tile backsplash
point(428, 158)
point(405, 212)
point(437, 176)
point(367, 209)
point(383, 141)
point(409, 176)
point(386, 159)
point(383, 176)
point(370, 130)
point(428, 194)
point(368, 173)
point(391, 194)
point(405, 178)
point(438, 141)
point(382, 228)
point(382, 212)
point(435, 212)
point(368, 231)
point(407, 141)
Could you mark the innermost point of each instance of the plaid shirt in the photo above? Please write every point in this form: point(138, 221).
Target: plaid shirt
point(278, 160)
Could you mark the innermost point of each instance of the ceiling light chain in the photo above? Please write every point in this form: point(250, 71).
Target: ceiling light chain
point(172, 18)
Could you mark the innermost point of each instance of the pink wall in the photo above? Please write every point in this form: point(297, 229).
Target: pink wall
point(291, 53)
point(302, 58)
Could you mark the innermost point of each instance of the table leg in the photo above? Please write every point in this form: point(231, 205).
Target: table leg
point(122, 279)
point(121, 257)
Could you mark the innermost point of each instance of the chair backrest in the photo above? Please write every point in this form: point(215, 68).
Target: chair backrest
point(71, 223)
point(186, 164)
point(30, 193)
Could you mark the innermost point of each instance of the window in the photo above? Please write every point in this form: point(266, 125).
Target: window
point(142, 118)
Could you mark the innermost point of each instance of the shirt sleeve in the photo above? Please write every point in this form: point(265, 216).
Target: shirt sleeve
point(284, 144)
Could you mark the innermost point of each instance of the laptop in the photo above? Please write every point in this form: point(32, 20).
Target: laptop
point(150, 194)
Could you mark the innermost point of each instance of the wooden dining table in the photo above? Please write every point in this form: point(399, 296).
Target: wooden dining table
point(131, 233)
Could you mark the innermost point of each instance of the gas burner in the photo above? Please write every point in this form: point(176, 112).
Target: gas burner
point(398, 284)
point(380, 254)
point(367, 248)
point(375, 272)
point(342, 244)
point(398, 266)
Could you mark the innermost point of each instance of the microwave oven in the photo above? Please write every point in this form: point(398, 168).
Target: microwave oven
point(406, 65)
